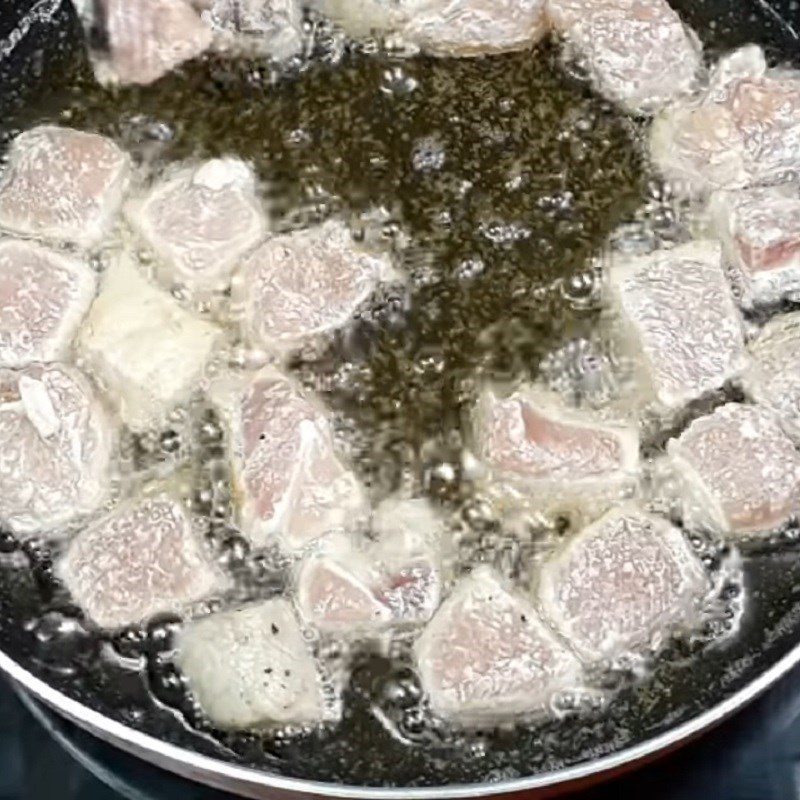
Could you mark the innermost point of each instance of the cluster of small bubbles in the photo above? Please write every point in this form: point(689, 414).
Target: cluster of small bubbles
point(428, 155)
point(469, 269)
point(397, 81)
point(583, 370)
point(505, 233)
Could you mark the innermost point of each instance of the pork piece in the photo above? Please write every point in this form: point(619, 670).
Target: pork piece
point(300, 284)
point(337, 591)
point(744, 130)
point(486, 655)
point(147, 352)
point(55, 448)
point(408, 551)
point(140, 41)
point(272, 28)
point(201, 221)
point(43, 298)
point(143, 559)
point(474, 27)
point(760, 233)
point(450, 28)
point(679, 315)
point(252, 668)
point(773, 377)
point(637, 53)
point(396, 580)
point(558, 453)
point(287, 477)
point(62, 185)
point(622, 584)
point(740, 472)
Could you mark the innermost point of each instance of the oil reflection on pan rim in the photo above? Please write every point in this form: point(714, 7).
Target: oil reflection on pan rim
point(249, 782)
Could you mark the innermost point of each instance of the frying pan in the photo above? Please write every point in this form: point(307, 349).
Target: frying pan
point(122, 689)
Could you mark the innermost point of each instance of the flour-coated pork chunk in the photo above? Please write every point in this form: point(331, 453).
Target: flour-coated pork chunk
point(740, 472)
point(622, 585)
point(637, 53)
point(201, 221)
point(760, 232)
point(144, 558)
point(289, 482)
point(43, 298)
point(309, 282)
point(62, 185)
point(679, 318)
point(143, 40)
point(773, 377)
point(486, 655)
point(146, 351)
point(252, 668)
point(56, 443)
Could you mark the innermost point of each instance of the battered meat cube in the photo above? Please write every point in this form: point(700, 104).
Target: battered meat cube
point(287, 477)
point(678, 312)
point(300, 284)
point(409, 552)
point(564, 456)
point(143, 40)
point(55, 448)
point(63, 185)
point(486, 655)
point(394, 581)
point(460, 28)
point(740, 472)
point(272, 28)
point(760, 232)
point(773, 377)
point(146, 352)
point(201, 221)
point(744, 130)
point(638, 53)
point(252, 668)
point(474, 27)
point(144, 558)
point(43, 298)
point(622, 584)
point(337, 591)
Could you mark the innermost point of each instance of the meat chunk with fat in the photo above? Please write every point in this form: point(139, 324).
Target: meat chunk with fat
point(486, 656)
point(272, 28)
point(564, 456)
point(252, 668)
point(622, 585)
point(140, 41)
point(773, 377)
point(288, 480)
point(43, 298)
point(62, 185)
point(201, 221)
point(143, 559)
point(146, 351)
point(739, 471)
point(760, 233)
point(743, 130)
point(393, 581)
point(56, 445)
point(679, 317)
point(637, 53)
point(298, 285)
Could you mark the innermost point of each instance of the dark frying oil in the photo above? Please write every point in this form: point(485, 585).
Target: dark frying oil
point(494, 182)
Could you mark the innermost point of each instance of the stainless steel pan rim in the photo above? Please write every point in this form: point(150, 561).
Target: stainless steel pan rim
point(248, 781)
